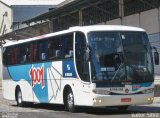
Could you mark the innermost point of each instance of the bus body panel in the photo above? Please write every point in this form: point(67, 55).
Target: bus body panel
point(117, 100)
point(8, 89)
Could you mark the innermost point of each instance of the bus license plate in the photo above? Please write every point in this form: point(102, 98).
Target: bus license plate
point(125, 99)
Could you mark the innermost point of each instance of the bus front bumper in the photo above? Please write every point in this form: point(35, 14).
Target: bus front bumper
point(121, 100)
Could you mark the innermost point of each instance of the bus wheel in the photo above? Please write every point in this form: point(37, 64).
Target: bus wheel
point(19, 97)
point(70, 102)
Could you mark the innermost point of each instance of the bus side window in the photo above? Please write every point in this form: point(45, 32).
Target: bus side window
point(23, 53)
point(12, 55)
point(15, 55)
point(54, 48)
point(5, 56)
point(42, 50)
point(67, 46)
point(51, 49)
point(33, 52)
point(9, 54)
point(60, 47)
point(81, 62)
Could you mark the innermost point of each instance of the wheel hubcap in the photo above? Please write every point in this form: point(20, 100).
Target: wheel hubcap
point(19, 97)
point(70, 100)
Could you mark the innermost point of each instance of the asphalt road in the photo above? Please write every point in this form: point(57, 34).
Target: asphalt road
point(9, 109)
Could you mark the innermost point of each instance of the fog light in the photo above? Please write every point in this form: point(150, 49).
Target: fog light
point(96, 100)
point(148, 99)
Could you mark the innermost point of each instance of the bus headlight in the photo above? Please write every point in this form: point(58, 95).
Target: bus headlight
point(100, 91)
point(148, 91)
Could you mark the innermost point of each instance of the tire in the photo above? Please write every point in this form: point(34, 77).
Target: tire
point(19, 99)
point(69, 102)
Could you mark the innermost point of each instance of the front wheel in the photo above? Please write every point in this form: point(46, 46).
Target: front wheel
point(70, 106)
point(19, 99)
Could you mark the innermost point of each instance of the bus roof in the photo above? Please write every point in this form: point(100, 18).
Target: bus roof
point(106, 28)
point(84, 29)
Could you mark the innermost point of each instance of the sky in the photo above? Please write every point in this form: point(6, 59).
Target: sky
point(32, 2)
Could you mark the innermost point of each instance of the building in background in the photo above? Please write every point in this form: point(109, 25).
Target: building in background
point(16, 11)
point(5, 18)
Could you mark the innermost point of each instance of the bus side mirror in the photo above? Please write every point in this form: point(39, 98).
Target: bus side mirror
point(156, 55)
point(156, 58)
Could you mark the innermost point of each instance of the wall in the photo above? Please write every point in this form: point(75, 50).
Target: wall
point(5, 20)
point(5, 27)
point(0, 68)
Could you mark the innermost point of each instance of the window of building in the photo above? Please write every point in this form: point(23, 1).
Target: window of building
point(137, 6)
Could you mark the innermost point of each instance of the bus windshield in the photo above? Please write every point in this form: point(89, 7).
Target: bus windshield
point(120, 56)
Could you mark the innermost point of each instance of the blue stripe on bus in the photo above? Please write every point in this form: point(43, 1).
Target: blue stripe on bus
point(40, 87)
point(135, 87)
point(22, 72)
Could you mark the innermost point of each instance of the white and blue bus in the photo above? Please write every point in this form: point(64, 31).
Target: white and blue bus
point(93, 66)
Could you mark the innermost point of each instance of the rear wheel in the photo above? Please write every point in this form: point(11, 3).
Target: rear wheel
point(19, 99)
point(69, 102)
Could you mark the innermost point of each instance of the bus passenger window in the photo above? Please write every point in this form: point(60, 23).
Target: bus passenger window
point(15, 55)
point(60, 47)
point(54, 48)
point(9, 56)
point(33, 52)
point(12, 55)
point(70, 54)
point(42, 50)
point(67, 46)
point(24, 53)
point(5, 56)
point(51, 50)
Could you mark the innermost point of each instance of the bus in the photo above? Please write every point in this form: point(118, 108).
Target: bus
point(96, 66)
